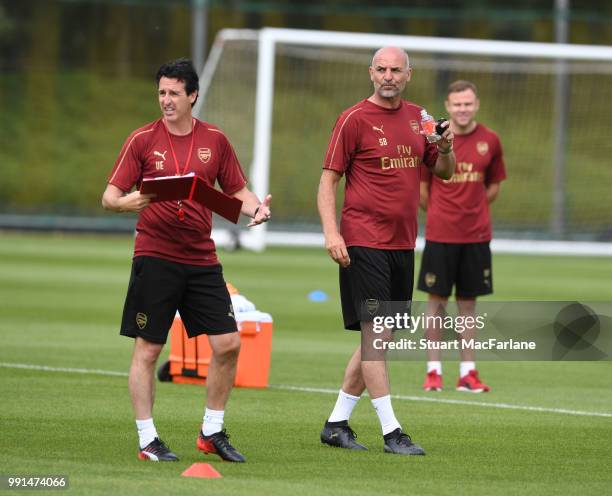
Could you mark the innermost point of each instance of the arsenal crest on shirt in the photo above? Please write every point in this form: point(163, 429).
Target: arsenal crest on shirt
point(204, 154)
point(482, 147)
point(414, 125)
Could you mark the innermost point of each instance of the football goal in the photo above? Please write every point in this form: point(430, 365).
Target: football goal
point(277, 93)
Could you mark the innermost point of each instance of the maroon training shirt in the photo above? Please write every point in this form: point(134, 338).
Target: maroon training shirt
point(381, 151)
point(458, 211)
point(147, 153)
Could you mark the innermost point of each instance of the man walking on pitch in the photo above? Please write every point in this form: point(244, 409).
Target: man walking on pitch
point(175, 265)
point(378, 144)
point(458, 230)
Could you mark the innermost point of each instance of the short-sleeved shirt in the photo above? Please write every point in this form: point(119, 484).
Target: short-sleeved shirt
point(458, 210)
point(146, 154)
point(380, 151)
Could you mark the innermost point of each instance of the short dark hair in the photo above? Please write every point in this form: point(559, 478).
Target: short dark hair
point(461, 85)
point(182, 70)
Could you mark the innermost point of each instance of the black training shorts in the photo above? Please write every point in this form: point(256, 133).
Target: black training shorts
point(158, 288)
point(467, 266)
point(380, 275)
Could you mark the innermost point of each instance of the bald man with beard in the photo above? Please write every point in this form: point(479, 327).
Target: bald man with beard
point(378, 146)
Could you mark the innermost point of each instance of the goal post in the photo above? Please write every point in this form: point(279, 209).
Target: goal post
point(283, 112)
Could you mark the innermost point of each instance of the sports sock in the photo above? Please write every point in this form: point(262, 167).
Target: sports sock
point(465, 367)
point(344, 407)
point(384, 410)
point(437, 366)
point(213, 421)
point(146, 431)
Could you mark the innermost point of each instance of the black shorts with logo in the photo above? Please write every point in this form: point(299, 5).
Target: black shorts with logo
point(158, 288)
point(381, 275)
point(467, 266)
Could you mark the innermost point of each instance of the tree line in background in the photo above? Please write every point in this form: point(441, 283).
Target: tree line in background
point(131, 36)
point(77, 77)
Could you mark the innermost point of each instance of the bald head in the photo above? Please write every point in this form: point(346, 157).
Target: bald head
point(391, 54)
point(390, 72)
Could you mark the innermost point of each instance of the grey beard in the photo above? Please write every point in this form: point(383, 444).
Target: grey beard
point(388, 93)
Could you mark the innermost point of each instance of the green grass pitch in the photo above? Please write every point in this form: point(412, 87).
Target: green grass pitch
point(60, 304)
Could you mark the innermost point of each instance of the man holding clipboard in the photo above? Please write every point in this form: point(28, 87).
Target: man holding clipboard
point(175, 265)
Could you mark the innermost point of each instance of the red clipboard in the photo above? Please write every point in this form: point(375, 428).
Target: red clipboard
point(192, 187)
point(169, 188)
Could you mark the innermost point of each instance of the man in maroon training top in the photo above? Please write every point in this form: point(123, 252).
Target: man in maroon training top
point(458, 230)
point(175, 265)
point(378, 145)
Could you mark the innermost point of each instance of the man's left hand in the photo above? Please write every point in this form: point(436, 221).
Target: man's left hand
point(263, 213)
point(446, 143)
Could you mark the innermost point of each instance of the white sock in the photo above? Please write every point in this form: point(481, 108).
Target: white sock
point(384, 410)
point(213, 422)
point(465, 367)
point(437, 366)
point(146, 431)
point(344, 407)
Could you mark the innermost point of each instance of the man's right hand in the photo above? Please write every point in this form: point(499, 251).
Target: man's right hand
point(337, 249)
point(116, 200)
point(134, 202)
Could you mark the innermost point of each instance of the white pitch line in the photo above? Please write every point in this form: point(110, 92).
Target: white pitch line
point(506, 406)
point(62, 369)
point(303, 389)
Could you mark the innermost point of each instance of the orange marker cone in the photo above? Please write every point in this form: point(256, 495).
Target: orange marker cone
point(203, 470)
